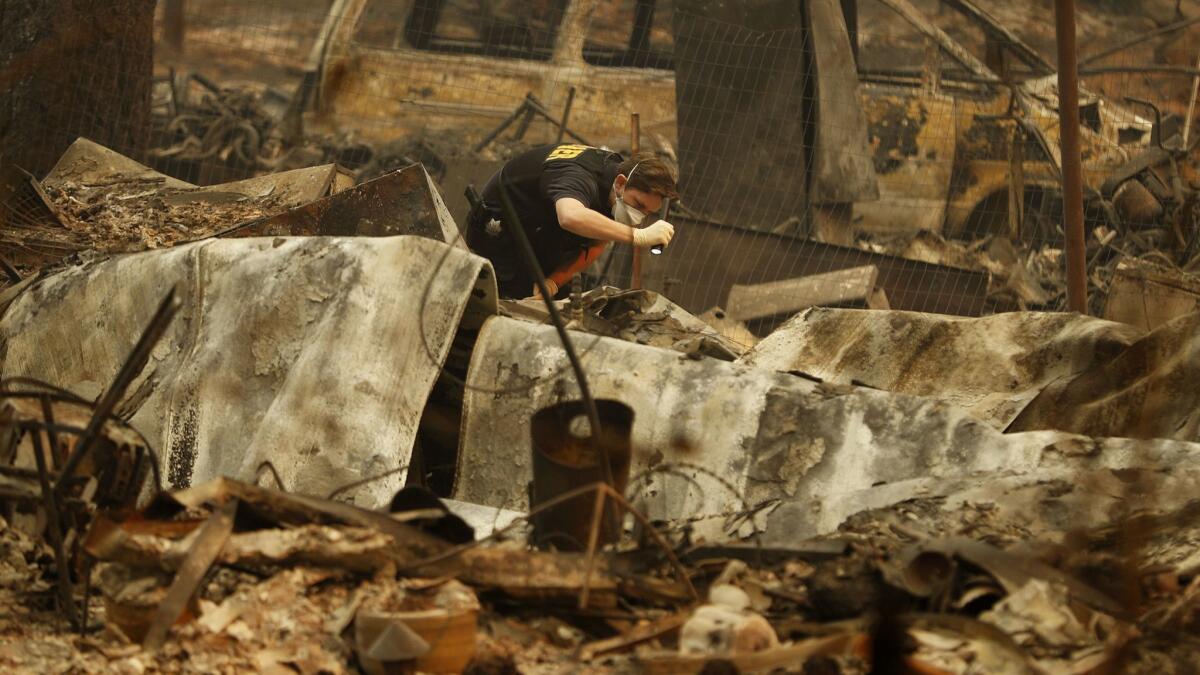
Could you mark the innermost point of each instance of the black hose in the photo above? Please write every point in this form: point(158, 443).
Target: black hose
point(513, 222)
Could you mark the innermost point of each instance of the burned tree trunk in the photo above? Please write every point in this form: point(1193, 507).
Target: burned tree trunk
point(71, 68)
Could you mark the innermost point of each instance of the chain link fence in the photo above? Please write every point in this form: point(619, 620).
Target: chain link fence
point(869, 153)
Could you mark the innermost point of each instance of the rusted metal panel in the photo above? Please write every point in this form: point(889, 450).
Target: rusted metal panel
point(89, 165)
point(290, 189)
point(719, 256)
point(402, 202)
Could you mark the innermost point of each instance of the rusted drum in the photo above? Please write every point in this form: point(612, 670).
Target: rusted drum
point(565, 457)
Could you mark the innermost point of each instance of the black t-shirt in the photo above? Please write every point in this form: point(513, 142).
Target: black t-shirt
point(540, 177)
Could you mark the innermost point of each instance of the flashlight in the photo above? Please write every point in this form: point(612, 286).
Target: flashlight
point(657, 249)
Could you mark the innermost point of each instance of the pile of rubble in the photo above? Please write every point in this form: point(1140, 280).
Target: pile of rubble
point(226, 124)
point(133, 216)
point(227, 576)
point(337, 453)
point(1033, 277)
point(241, 130)
point(97, 201)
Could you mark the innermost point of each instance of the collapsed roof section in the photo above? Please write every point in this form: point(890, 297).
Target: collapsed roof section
point(318, 355)
point(718, 443)
point(1147, 391)
point(990, 366)
point(315, 354)
point(95, 199)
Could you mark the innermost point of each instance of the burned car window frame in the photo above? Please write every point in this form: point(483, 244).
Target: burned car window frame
point(504, 40)
point(640, 50)
point(500, 39)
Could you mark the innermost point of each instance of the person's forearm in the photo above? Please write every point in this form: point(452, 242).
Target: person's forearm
point(590, 224)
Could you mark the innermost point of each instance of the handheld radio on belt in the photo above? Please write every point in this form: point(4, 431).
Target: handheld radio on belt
point(473, 198)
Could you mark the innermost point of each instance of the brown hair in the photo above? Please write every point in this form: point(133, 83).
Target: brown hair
point(654, 174)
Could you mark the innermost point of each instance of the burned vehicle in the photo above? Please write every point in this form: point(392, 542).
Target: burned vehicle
point(395, 66)
point(815, 146)
point(1004, 173)
point(946, 150)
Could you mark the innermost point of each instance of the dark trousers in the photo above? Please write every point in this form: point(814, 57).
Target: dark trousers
point(512, 278)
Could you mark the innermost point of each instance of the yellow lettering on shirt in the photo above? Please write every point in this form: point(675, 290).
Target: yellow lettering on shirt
point(569, 151)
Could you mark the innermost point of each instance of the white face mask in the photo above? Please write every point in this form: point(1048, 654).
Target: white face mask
point(622, 213)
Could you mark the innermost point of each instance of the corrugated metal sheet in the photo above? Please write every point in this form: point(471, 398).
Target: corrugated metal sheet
point(714, 440)
point(991, 366)
point(317, 354)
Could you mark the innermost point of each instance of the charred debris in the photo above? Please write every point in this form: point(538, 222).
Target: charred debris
point(276, 419)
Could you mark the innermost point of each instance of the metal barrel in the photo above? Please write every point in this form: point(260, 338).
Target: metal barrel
point(565, 457)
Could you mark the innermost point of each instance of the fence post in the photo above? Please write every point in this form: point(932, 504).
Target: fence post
point(1072, 171)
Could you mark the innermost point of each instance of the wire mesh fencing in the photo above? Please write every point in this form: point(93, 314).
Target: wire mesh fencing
point(865, 153)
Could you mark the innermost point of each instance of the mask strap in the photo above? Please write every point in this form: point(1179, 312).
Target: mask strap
point(631, 171)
